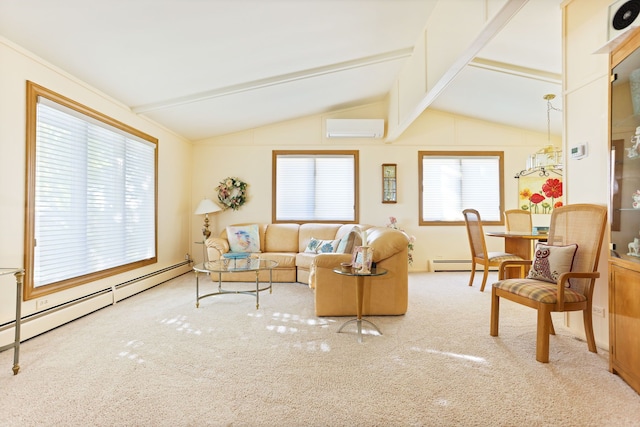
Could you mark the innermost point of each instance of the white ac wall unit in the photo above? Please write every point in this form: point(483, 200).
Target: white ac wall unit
point(355, 128)
point(623, 18)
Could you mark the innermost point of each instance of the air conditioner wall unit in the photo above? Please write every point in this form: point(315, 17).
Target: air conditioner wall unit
point(355, 128)
point(622, 19)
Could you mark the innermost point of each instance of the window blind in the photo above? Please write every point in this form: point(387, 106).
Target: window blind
point(94, 196)
point(451, 184)
point(313, 187)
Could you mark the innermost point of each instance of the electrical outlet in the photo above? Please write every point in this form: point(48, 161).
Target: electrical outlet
point(187, 257)
point(598, 311)
point(41, 303)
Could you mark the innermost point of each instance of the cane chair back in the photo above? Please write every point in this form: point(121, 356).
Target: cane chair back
point(518, 220)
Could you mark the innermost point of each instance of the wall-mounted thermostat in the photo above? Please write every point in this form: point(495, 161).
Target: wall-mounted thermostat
point(579, 151)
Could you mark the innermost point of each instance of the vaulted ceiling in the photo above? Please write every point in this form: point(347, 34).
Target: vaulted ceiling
point(204, 68)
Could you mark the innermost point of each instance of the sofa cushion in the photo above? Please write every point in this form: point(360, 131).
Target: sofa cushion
point(281, 238)
point(245, 238)
point(304, 260)
point(319, 246)
point(284, 260)
point(315, 230)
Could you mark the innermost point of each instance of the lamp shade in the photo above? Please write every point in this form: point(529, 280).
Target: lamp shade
point(207, 206)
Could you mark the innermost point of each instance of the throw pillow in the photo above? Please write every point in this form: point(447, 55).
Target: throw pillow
point(348, 242)
point(321, 246)
point(551, 261)
point(245, 238)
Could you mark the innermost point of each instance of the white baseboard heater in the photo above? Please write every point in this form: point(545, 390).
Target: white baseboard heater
point(40, 322)
point(454, 265)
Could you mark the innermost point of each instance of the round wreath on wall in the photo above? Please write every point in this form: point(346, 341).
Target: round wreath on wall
point(232, 193)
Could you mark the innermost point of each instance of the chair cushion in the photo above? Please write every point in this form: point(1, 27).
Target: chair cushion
point(244, 238)
point(551, 261)
point(501, 256)
point(537, 290)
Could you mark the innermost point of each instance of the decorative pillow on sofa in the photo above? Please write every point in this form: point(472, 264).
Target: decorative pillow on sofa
point(348, 242)
point(551, 261)
point(245, 238)
point(321, 246)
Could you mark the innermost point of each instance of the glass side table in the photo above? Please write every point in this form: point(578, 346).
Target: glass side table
point(360, 278)
point(19, 274)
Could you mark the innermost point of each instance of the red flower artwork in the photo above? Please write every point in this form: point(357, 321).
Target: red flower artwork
point(536, 198)
point(552, 188)
point(539, 194)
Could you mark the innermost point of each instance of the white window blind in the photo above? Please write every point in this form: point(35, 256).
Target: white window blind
point(94, 196)
point(451, 184)
point(315, 187)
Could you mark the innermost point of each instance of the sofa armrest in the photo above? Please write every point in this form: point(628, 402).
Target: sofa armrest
point(330, 260)
point(216, 246)
point(325, 261)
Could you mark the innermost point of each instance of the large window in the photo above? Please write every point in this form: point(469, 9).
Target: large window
point(91, 195)
point(315, 186)
point(453, 181)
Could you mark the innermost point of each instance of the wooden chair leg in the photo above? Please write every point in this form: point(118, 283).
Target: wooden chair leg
point(552, 330)
point(473, 272)
point(484, 277)
point(542, 336)
point(588, 329)
point(495, 312)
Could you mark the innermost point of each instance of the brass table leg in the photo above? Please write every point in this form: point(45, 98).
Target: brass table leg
point(16, 350)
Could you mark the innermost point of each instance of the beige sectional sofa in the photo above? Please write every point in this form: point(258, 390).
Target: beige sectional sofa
point(335, 295)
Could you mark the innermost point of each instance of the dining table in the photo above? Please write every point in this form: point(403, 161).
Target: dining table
point(518, 243)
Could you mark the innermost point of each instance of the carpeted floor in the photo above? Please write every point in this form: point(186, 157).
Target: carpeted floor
point(156, 360)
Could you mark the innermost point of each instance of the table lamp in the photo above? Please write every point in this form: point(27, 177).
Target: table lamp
point(206, 207)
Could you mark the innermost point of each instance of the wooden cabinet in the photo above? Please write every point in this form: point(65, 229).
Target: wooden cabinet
point(624, 323)
point(624, 262)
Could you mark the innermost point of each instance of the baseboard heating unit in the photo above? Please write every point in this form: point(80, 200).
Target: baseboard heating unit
point(453, 265)
point(51, 318)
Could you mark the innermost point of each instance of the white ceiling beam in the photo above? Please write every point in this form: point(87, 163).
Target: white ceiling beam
point(493, 27)
point(277, 80)
point(515, 70)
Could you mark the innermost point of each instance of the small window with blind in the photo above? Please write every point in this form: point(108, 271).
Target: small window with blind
point(451, 181)
point(315, 186)
point(91, 195)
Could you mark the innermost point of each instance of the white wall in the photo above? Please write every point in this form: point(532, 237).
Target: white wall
point(586, 120)
point(174, 178)
point(247, 155)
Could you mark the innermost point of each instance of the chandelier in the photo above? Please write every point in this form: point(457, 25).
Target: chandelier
point(548, 159)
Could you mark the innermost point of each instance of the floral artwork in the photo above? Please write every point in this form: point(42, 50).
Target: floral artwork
point(539, 194)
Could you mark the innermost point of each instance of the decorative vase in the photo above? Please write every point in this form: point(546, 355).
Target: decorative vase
point(367, 259)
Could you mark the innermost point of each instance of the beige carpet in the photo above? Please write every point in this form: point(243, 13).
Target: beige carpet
point(156, 360)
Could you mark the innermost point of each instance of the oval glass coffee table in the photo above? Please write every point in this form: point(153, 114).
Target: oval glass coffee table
point(360, 277)
point(233, 265)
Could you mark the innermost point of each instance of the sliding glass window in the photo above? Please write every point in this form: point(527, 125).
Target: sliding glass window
point(91, 195)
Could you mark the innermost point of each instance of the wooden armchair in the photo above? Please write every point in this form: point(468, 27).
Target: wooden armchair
point(557, 283)
point(479, 253)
